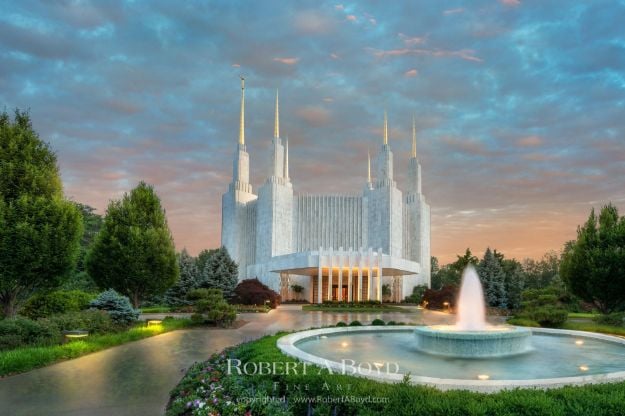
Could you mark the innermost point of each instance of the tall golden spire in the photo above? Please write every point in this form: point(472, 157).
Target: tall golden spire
point(385, 128)
point(414, 137)
point(242, 122)
point(276, 129)
point(368, 166)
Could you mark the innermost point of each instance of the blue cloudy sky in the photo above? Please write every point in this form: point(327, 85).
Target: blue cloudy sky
point(520, 105)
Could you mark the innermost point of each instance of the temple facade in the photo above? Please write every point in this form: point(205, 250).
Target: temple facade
point(373, 245)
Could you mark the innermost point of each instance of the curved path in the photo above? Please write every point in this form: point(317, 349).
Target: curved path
point(136, 378)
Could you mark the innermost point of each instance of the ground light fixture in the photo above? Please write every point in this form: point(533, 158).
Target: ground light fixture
point(74, 334)
point(154, 322)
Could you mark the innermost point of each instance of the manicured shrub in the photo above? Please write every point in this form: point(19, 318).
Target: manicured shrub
point(94, 321)
point(20, 332)
point(615, 319)
point(355, 323)
point(60, 301)
point(543, 306)
point(253, 292)
point(436, 299)
point(377, 322)
point(211, 307)
point(117, 306)
point(341, 323)
point(391, 323)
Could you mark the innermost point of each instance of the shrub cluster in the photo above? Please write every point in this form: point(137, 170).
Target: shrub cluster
point(614, 319)
point(436, 298)
point(377, 322)
point(253, 292)
point(21, 332)
point(60, 301)
point(417, 294)
point(542, 306)
point(117, 306)
point(211, 307)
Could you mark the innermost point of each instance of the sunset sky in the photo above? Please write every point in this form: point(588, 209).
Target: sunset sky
point(520, 105)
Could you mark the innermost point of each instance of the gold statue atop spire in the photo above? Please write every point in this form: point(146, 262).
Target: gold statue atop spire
point(385, 128)
point(276, 129)
point(242, 122)
point(414, 138)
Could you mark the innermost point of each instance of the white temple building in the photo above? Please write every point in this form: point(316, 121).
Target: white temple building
point(338, 247)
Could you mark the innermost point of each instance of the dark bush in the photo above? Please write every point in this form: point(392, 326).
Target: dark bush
point(436, 298)
point(355, 323)
point(417, 294)
point(60, 301)
point(211, 307)
point(341, 323)
point(253, 292)
point(377, 322)
point(543, 306)
point(21, 332)
point(94, 321)
point(614, 319)
point(391, 323)
point(117, 306)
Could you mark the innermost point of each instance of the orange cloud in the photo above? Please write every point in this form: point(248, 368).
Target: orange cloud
point(411, 73)
point(287, 61)
point(512, 3)
point(530, 141)
point(351, 18)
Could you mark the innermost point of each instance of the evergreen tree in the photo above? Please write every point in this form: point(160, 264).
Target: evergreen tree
point(134, 252)
point(220, 272)
point(493, 280)
point(593, 266)
point(39, 229)
point(189, 280)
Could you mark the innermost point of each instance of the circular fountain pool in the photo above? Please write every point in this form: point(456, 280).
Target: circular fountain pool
point(556, 358)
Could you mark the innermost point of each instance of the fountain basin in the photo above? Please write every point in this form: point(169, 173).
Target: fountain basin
point(492, 341)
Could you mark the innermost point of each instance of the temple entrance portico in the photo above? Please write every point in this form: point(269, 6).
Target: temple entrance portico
point(342, 275)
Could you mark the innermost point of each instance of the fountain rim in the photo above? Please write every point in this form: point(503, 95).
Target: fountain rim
point(286, 344)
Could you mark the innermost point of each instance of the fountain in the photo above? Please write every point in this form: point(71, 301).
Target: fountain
point(471, 336)
point(465, 355)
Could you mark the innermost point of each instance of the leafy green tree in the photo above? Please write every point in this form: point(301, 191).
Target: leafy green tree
point(450, 274)
point(189, 280)
point(92, 222)
point(493, 279)
point(542, 273)
point(134, 252)
point(39, 229)
point(593, 266)
point(220, 272)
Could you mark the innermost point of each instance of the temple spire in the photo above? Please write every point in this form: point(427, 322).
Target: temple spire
point(385, 128)
point(414, 138)
point(276, 129)
point(286, 158)
point(368, 166)
point(242, 121)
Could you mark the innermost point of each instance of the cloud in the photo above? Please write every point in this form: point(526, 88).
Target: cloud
point(312, 22)
point(351, 18)
point(512, 3)
point(287, 61)
point(314, 116)
point(453, 11)
point(411, 73)
point(530, 141)
point(465, 54)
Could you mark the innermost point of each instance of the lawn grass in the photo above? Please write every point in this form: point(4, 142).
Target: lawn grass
point(156, 309)
point(27, 358)
point(582, 315)
point(384, 308)
point(595, 327)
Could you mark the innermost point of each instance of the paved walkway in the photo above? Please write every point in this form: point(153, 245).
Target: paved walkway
point(136, 378)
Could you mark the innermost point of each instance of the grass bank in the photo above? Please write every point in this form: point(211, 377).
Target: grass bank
point(27, 358)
